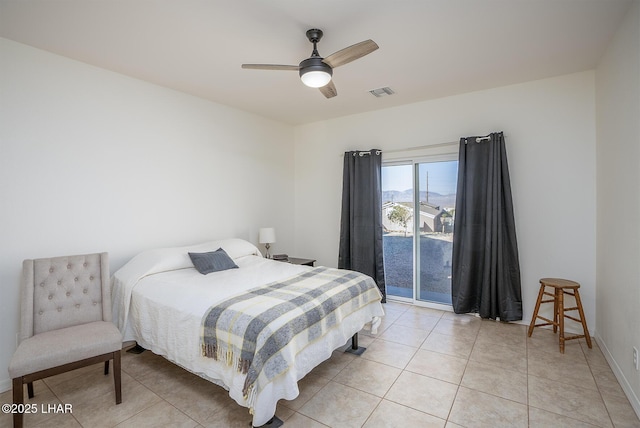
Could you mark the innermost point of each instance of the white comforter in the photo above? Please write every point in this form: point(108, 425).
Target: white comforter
point(159, 300)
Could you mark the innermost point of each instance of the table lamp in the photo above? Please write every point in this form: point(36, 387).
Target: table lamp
point(267, 237)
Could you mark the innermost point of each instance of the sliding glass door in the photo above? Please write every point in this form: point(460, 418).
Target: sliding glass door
point(397, 221)
point(418, 213)
point(436, 193)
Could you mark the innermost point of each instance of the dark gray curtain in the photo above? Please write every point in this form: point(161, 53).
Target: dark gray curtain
point(361, 222)
point(486, 270)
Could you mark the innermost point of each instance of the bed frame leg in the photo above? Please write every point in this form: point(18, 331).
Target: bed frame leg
point(136, 349)
point(355, 349)
point(274, 422)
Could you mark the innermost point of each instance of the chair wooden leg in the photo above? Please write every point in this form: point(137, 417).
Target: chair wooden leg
point(587, 336)
point(535, 311)
point(106, 367)
point(30, 392)
point(18, 398)
point(116, 376)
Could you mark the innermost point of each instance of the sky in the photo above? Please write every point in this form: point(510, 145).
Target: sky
point(443, 177)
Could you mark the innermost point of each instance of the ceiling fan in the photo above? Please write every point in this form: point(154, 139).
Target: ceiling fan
point(316, 71)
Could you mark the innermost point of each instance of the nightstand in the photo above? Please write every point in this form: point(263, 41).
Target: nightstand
point(298, 261)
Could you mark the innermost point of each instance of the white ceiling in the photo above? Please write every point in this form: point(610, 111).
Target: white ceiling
point(428, 48)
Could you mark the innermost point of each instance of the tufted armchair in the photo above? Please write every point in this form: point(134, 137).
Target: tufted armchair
point(65, 322)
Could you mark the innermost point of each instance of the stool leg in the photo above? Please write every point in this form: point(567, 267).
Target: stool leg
point(535, 311)
point(587, 337)
point(560, 302)
point(556, 295)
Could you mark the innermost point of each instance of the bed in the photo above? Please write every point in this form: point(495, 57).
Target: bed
point(161, 301)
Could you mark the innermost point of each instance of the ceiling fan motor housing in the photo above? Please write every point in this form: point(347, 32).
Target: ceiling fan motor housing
point(315, 64)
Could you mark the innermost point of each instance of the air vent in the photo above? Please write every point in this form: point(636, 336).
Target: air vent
point(382, 92)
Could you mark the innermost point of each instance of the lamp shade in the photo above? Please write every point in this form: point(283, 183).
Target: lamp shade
point(267, 235)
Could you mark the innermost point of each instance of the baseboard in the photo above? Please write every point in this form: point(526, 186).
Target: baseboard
point(5, 385)
point(617, 371)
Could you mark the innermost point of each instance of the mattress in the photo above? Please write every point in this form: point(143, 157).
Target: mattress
point(159, 301)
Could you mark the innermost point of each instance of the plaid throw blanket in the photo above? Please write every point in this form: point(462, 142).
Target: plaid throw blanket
point(252, 330)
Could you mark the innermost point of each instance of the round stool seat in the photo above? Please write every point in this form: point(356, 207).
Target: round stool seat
point(559, 283)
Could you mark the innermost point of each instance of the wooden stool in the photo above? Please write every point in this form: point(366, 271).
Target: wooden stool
point(561, 287)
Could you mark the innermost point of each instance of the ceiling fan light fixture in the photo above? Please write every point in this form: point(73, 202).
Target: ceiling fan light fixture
point(315, 79)
point(315, 73)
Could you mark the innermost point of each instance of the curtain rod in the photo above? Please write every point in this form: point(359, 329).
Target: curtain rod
point(363, 153)
point(485, 138)
point(430, 146)
point(427, 146)
point(479, 139)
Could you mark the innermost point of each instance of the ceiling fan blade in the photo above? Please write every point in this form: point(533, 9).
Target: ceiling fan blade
point(351, 53)
point(270, 67)
point(329, 90)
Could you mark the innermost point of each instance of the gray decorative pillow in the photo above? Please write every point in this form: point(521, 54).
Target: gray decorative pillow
point(213, 261)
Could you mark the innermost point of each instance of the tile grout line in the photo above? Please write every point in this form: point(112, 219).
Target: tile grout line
point(396, 379)
point(571, 385)
point(58, 398)
point(462, 377)
point(403, 370)
point(594, 380)
point(141, 409)
point(526, 350)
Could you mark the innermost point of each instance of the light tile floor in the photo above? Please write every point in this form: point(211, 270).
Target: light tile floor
point(425, 368)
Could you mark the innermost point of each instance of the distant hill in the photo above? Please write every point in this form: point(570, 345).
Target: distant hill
point(444, 201)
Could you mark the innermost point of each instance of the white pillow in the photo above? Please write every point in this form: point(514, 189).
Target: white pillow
point(166, 259)
point(236, 247)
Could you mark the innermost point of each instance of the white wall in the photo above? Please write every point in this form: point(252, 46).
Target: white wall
point(550, 135)
point(94, 161)
point(618, 215)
